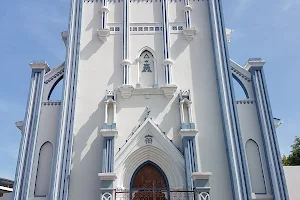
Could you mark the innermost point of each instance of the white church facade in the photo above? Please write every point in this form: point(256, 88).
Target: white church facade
point(148, 110)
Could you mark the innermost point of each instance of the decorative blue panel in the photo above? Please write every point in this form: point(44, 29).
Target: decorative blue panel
point(190, 160)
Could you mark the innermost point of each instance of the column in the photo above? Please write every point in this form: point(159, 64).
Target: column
point(234, 146)
point(29, 132)
point(187, 13)
point(190, 159)
point(126, 63)
point(278, 183)
point(104, 11)
point(63, 149)
point(167, 61)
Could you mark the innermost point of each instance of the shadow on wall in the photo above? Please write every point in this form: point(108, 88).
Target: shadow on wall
point(209, 123)
point(163, 111)
point(94, 45)
point(87, 157)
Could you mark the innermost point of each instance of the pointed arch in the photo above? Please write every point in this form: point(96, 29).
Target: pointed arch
point(239, 88)
point(42, 182)
point(255, 167)
point(146, 68)
point(155, 170)
point(56, 89)
point(146, 48)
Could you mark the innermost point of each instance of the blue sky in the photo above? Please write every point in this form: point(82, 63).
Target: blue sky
point(30, 30)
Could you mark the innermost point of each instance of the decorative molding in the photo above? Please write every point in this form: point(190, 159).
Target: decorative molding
point(169, 90)
point(107, 176)
point(109, 132)
point(54, 73)
point(106, 196)
point(167, 61)
point(52, 103)
point(104, 9)
point(190, 33)
point(126, 91)
point(103, 34)
point(126, 62)
point(262, 196)
point(148, 139)
point(237, 72)
point(188, 132)
point(254, 64)
point(201, 175)
point(40, 65)
point(187, 8)
point(64, 37)
point(246, 101)
point(19, 125)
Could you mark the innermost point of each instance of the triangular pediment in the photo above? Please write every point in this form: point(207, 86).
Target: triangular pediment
point(149, 143)
point(148, 134)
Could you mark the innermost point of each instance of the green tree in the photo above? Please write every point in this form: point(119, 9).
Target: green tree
point(294, 158)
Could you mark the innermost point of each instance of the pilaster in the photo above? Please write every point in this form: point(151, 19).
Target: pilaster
point(126, 62)
point(234, 146)
point(190, 159)
point(63, 149)
point(166, 40)
point(255, 66)
point(29, 131)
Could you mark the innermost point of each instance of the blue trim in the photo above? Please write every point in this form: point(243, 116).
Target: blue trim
point(157, 167)
point(275, 170)
point(236, 155)
point(190, 158)
point(29, 136)
point(241, 84)
point(64, 143)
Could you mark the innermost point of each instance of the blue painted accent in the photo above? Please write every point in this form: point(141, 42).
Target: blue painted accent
point(236, 154)
point(110, 126)
point(108, 155)
point(241, 84)
point(187, 126)
point(190, 160)
point(29, 136)
point(156, 166)
point(61, 167)
point(275, 170)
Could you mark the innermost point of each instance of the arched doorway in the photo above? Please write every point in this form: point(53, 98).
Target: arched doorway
point(149, 183)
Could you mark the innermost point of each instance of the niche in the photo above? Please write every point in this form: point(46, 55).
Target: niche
point(42, 181)
point(147, 72)
point(185, 107)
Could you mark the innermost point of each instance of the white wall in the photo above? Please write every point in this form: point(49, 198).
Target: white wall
point(100, 69)
point(292, 175)
point(6, 196)
point(47, 131)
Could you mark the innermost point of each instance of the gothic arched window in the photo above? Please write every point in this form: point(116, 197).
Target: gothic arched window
point(43, 176)
point(146, 69)
point(255, 167)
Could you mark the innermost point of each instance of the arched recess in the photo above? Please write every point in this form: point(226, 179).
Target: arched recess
point(255, 167)
point(43, 173)
point(55, 92)
point(240, 90)
point(146, 68)
point(149, 175)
